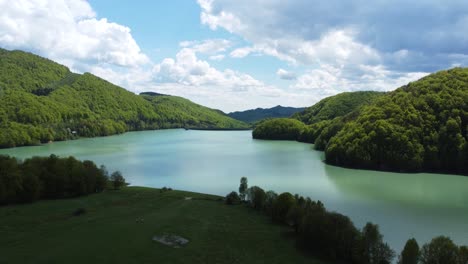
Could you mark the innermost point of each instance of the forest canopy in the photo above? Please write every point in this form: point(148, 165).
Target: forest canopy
point(422, 126)
point(42, 101)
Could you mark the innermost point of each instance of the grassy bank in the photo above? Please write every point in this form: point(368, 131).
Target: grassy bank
point(47, 231)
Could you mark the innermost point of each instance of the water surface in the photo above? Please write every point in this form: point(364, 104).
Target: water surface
point(404, 205)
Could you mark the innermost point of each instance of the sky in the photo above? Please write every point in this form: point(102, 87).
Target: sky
point(244, 54)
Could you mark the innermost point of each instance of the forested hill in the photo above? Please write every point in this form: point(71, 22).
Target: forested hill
point(258, 114)
point(319, 122)
point(41, 101)
point(419, 127)
point(336, 106)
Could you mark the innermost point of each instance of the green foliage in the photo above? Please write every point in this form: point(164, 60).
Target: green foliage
point(47, 178)
point(243, 188)
point(179, 112)
point(256, 115)
point(256, 197)
point(410, 253)
point(463, 255)
point(319, 122)
point(375, 250)
point(232, 198)
point(42, 101)
point(440, 250)
point(324, 234)
point(283, 204)
point(336, 106)
point(117, 180)
point(279, 129)
point(419, 127)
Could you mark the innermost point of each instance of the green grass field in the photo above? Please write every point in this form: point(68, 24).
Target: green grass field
point(47, 231)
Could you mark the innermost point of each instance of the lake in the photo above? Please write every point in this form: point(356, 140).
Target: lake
point(404, 205)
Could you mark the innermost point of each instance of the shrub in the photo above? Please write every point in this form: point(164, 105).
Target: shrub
point(79, 211)
point(232, 198)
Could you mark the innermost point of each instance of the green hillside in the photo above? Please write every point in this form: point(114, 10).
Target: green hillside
point(43, 101)
point(421, 126)
point(255, 115)
point(279, 129)
point(336, 106)
point(320, 121)
point(118, 227)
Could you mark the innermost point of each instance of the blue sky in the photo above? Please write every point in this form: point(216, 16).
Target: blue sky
point(237, 55)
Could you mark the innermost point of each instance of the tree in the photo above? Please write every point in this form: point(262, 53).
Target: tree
point(441, 249)
point(243, 188)
point(117, 180)
point(282, 206)
point(410, 253)
point(270, 200)
point(463, 255)
point(295, 215)
point(232, 198)
point(375, 250)
point(256, 196)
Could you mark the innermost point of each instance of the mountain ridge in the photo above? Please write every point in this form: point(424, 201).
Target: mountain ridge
point(258, 114)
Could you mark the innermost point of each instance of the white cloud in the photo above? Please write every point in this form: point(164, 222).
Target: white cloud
point(241, 52)
point(187, 69)
point(329, 80)
point(208, 46)
point(345, 46)
point(67, 31)
point(217, 57)
point(286, 75)
point(191, 77)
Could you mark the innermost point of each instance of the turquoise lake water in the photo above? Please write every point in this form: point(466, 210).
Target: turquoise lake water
point(404, 205)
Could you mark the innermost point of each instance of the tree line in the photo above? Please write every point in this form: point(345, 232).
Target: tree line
point(333, 236)
point(52, 178)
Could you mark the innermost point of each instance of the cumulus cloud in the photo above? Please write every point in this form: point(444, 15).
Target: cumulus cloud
point(329, 80)
point(350, 45)
point(431, 33)
point(69, 32)
point(286, 75)
point(188, 70)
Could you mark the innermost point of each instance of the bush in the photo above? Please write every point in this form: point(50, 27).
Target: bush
point(165, 189)
point(117, 180)
point(232, 198)
point(79, 211)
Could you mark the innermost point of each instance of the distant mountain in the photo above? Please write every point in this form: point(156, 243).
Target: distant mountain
point(255, 115)
point(42, 101)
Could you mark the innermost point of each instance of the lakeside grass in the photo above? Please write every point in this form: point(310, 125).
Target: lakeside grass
point(47, 231)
